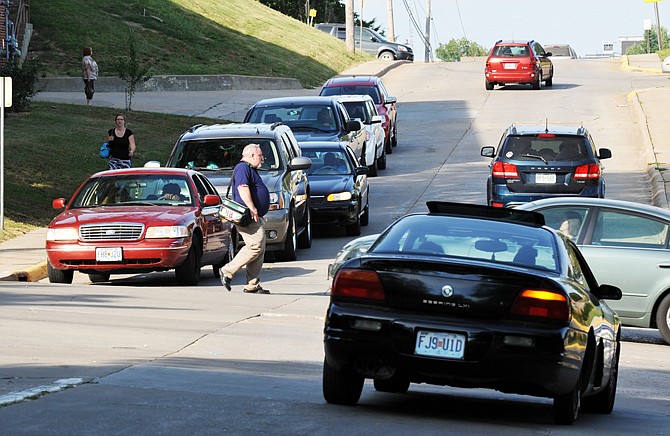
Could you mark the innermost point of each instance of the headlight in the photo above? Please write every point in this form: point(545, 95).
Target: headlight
point(340, 196)
point(167, 232)
point(63, 234)
point(402, 48)
point(276, 201)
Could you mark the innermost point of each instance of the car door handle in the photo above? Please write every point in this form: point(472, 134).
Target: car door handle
point(663, 265)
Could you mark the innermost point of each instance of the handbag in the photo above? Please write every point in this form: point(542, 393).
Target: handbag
point(104, 150)
point(233, 211)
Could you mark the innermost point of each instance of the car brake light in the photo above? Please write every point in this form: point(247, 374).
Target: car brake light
point(541, 303)
point(546, 135)
point(590, 171)
point(496, 204)
point(504, 170)
point(356, 283)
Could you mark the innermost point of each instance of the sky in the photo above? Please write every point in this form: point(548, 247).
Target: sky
point(584, 24)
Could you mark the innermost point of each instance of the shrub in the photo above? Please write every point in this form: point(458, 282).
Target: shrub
point(24, 82)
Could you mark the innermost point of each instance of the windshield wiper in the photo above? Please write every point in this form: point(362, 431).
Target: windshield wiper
point(535, 156)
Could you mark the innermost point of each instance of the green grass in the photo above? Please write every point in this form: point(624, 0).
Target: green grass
point(50, 150)
point(185, 37)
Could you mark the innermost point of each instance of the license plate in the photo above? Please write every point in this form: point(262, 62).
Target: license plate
point(545, 178)
point(113, 254)
point(440, 344)
point(509, 66)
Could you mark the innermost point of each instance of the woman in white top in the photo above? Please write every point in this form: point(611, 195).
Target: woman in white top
point(89, 72)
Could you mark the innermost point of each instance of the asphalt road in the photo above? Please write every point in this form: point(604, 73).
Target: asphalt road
point(145, 356)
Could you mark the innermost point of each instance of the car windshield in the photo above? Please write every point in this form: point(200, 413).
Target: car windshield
point(222, 154)
point(545, 146)
point(473, 239)
point(135, 189)
point(559, 50)
point(328, 162)
point(511, 50)
point(298, 118)
point(354, 90)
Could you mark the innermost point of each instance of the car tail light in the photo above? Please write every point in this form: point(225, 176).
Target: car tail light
point(546, 135)
point(496, 204)
point(505, 170)
point(541, 303)
point(356, 283)
point(590, 171)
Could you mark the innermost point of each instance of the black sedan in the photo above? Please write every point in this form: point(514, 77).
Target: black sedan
point(339, 186)
point(475, 297)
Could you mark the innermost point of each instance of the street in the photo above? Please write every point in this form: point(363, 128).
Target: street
point(145, 356)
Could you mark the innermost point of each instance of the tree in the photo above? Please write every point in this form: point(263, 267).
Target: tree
point(455, 49)
point(327, 11)
point(129, 70)
point(25, 78)
point(641, 48)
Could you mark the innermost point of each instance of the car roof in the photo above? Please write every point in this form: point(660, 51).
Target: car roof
point(233, 130)
point(351, 80)
point(297, 100)
point(515, 42)
point(488, 212)
point(353, 98)
point(533, 129)
point(146, 171)
point(601, 202)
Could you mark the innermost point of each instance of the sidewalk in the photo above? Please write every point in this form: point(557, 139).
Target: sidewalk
point(24, 258)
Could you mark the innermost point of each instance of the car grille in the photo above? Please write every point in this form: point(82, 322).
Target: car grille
point(111, 232)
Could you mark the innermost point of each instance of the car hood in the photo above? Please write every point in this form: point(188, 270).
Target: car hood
point(221, 180)
point(324, 185)
point(314, 136)
point(147, 215)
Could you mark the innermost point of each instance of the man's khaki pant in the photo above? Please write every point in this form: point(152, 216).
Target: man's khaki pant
point(251, 255)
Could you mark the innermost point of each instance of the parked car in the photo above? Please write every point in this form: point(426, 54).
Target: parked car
point(626, 244)
point(518, 62)
point(138, 220)
point(312, 119)
point(374, 87)
point(288, 223)
point(362, 108)
point(477, 297)
point(339, 186)
point(665, 65)
point(541, 160)
point(561, 51)
point(373, 42)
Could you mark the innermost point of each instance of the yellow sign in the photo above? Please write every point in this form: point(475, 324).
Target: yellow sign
point(312, 12)
point(652, 1)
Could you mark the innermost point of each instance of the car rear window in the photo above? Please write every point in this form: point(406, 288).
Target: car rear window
point(549, 147)
point(370, 90)
point(511, 50)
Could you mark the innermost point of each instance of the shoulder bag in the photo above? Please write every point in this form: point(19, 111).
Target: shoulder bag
point(233, 211)
point(104, 150)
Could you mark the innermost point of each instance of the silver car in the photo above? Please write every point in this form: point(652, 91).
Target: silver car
point(626, 244)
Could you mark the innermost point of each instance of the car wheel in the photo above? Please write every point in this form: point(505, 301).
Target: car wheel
point(603, 401)
point(388, 145)
point(355, 228)
point(381, 162)
point(394, 137)
point(373, 168)
point(386, 56)
point(230, 254)
point(365, 218)
point(566, 407)
point(59, 275)
point(305, 239)
point(663, 318)
point(394, 385)
point(538, 83)
point(188, 273)
point(343, 386)
point(489, 85)
point(99, 278)
point(289, 251)
point(550, 80)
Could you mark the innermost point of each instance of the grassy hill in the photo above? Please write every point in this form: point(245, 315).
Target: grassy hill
point(50, 150)
point(185, 37)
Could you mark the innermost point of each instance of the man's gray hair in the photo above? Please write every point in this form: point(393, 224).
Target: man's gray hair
point(250, 148)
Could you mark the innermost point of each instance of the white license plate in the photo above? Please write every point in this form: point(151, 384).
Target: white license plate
point(545, 178)
point(440, 344)
point(112, 254)
point(509, 66)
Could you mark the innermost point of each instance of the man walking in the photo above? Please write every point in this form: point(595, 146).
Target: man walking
point(248, 188)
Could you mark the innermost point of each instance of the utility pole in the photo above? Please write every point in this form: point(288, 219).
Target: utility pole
point(349, 24)
point(389, 20)
point(427, 42)
point(658, 27)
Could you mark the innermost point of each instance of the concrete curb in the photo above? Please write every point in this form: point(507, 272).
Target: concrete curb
point(33, 273)
point(625, 65)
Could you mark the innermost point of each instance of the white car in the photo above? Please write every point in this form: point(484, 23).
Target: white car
point(363, 108)
point(665, 65)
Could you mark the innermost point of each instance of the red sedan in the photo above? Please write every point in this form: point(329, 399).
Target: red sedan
point(139, 220)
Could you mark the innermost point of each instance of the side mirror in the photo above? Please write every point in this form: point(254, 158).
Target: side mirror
point(390, 100)
point(604, 153)
point(488, 151)
point(299, 163)
point(212, 200)
point(609, 292)
point(58, 203)
point(547, 54)
point(377, 119)
point(354, 125)
point(362, 171)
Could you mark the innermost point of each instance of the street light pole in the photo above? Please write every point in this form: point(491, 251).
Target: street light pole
point(427, 42)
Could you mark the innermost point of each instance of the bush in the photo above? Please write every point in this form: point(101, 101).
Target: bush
point(24, 82)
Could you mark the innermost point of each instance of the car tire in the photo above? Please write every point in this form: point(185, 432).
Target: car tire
point(343, 386)
point(188, 273)
point(394, 137)
point(365, 218)
point(289, 252)
point(394, 385)
point(99, 277)
point(59, 275)
point(386, 56)
point(489, 85)
point(538, 83)
point(230, 254)
point(550, 80)
point(566, 407)
point(663, 318)
point(354, 229)
point(381, 162)
point(305, 239)
point(388, 145)
point(372, 169)
point(603, 401)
